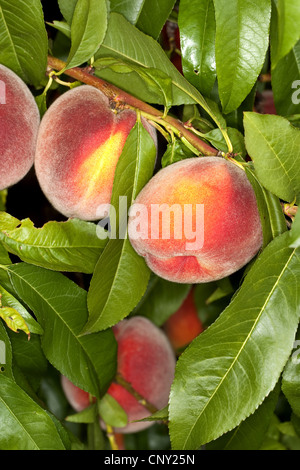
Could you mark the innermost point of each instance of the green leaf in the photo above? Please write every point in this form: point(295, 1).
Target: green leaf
point(143, 50)
point(111, 412)
point(8, 300)
point(63, 27)
point(130, 9)
point(271, 214)
point(14, 320)
point(154, 15)
point(249, 435)
point(197, 25)
point(95, 437)
point(60, 307)
point(67, 8)
point(225, 373)
point(5, 353)
point(41, 101)
point(291, 380)
point(24, 425)
point(3, 197)
point(161, 300)
point(286, 98)
point(86, 416)
point(295, 232)
point(242, 39)
point(88, 29)
point(160, 415)
point(273, 144)
point(207, 310)
point(23, 39)
point(287, 29)
point(119, 265)
point(28, 356)
point(72, 246)
point(4, 261)
point(156, 80)
point(216, 138)
point(175, 152)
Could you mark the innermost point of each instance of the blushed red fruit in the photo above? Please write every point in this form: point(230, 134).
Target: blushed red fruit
point(266, 103)
point(78, 399)
point(19, 123)
point(79, 143)
point(145, 360)
point(165, 228)
point(184, 325)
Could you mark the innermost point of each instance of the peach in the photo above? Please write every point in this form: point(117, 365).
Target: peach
point(78, 399)
point(184, 325)
point(146, 361)
point(80, 141)
point(19, 123)
point(196, 221)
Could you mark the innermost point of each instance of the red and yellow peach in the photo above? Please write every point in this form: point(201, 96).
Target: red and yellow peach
point(80, 141)
point(224, 238)
point(19, 124)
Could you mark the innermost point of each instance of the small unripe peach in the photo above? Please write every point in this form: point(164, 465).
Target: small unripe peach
point(80, 141)
point(184, 325)
point(19, 123)
point(196, 221)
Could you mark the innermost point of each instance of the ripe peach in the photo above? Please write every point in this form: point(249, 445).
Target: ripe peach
point(19, 123)
point(196, 221)
point(79, 143)
point(78, 399)
point(184, 325)
point(146, 361)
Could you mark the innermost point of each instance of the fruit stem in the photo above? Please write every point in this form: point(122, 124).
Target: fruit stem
point(121, 381)
point(111, 437)
point(85, 75)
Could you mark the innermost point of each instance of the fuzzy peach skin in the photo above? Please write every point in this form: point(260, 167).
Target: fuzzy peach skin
point(79, 143)
point(231, 224)
point(146, 361)
point(184, 325)
point(19, 124)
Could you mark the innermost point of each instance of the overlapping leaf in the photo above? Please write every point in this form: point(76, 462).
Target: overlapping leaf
point(62, 246)
point(23, 39)
point(242, 39)
point(197, 26)
point(61, 308)
point(121, 276)
point(273, 144)
point(226, 373)
point(88, 28)
point(285, 86)
point(24, 425)
point(286, 29)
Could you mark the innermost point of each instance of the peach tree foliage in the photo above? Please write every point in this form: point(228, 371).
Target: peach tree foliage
point(237, 385)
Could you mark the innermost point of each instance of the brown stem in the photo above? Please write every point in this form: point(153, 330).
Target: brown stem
point(121, 381)
point(116, 94)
